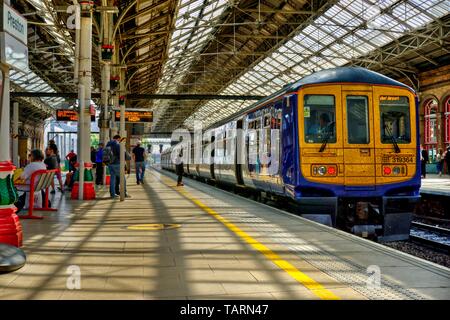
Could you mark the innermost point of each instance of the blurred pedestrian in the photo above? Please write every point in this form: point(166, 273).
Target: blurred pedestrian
point(58, 159)
point(447, 159)
point(423, 161)
point(72, 157)
point(440, 161)
point(51, 162)
point(112, 156)
point(99, 165)
point(179, 170)
point(139, 157)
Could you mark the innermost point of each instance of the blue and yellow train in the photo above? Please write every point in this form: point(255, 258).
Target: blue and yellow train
point(348, 150)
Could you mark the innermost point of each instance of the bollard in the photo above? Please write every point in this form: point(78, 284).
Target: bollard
point(10, 227)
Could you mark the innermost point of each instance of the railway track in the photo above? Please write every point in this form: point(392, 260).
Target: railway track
point(436, 237)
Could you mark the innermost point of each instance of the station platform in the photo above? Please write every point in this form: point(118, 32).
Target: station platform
point(435, 185)
point(201, 242)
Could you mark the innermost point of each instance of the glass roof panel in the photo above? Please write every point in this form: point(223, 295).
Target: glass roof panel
point(349, 29)
point(198, 24)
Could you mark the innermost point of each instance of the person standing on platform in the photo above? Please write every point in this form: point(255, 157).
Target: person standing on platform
point(423, 161)
point(440, 161)
point(139, 157)
point(447, 160)
point(93, 155)
point(111, 155)
point(58, 159)
point(99, 165)
point(51, 161)
point(179, 170)
point(72, 158)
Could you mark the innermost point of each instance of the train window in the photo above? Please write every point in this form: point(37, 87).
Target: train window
point(319, 113)
point(395, 119)
point(266, 120)
point(357, 120)
point(276, 120)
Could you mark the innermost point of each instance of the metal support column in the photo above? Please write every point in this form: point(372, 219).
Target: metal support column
point(106, 30)
point(81, 162)
point(5, 118)
point(15, 131)
point(123, 134)
point(85, 188)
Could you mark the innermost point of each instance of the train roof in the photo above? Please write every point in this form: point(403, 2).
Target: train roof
point(334, 75)
point(347, 75)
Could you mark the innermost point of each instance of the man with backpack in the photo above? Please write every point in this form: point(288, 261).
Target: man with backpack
point(111, 156)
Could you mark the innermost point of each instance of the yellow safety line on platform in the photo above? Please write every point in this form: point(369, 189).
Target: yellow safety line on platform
point(308, 282)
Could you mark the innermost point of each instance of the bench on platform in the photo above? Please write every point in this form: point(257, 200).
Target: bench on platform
point(40, 180)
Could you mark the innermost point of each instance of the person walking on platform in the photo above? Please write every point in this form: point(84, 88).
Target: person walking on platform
point(423, 161)
point(58, 159)
point(440, 161)
point(93, 155)
point(51, 161)
point(111, 155)
point(99, 165)
point(139, 157)
point(179, 170)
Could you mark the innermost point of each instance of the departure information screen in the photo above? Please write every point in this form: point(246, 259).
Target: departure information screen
point(69, 115)
point(136, 116)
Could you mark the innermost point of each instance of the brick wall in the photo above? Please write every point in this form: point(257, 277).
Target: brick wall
point(434, 84)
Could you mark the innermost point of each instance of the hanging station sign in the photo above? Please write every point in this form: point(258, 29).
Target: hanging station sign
point(69, 115)
point(13, 38)
point(14, 24)
point(135, 116)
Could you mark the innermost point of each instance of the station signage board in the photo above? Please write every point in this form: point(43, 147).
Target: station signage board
point(14, 23)
point(13, 38)
point(135, 116)
point(69, 115)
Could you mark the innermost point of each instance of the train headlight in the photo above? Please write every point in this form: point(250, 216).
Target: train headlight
point(396, 170)
point(322, 170)
point(329, 170)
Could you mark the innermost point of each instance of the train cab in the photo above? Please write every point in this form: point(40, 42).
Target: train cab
point(358, 147)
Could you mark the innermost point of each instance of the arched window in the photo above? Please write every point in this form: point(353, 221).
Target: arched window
point(447, 121)
point(430, 125)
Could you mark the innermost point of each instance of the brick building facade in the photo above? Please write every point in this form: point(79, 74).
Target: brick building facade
point(434, 109)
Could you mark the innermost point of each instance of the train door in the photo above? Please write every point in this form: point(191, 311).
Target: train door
point(288, 145)
point(359, 145)
point(275, 149)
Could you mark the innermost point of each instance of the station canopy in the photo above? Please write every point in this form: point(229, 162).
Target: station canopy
point(237, 47)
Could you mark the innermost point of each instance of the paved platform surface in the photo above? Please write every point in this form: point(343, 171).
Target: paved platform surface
point(433, 184)
point(220, 246)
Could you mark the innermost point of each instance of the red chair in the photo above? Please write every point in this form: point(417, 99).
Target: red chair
point(40, 180)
